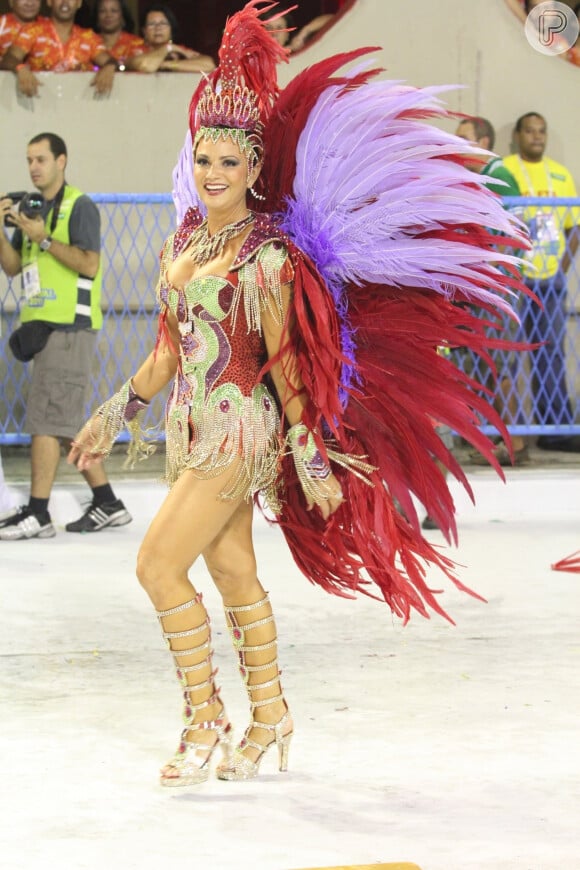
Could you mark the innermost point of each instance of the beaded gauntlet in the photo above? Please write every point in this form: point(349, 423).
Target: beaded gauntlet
point(313, 470)
point(124, 409)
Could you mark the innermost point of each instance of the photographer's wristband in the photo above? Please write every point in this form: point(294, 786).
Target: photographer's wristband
point(45, 244)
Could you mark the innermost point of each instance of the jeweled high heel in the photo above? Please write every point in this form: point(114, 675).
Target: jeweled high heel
point(241, 766)
point(191, 763)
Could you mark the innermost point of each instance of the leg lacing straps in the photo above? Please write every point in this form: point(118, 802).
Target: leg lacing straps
point(243, 767)
point(190, 764)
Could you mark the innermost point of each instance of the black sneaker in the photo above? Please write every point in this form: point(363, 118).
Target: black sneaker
point(21, 524)
point(99, 516)
point(562, 443)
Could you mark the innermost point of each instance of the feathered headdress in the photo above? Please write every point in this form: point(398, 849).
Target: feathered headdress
point(238, 98)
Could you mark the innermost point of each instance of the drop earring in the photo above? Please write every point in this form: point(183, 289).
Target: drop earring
point(256, 195)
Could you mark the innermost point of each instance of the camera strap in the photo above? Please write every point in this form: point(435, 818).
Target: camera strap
point(56, 204)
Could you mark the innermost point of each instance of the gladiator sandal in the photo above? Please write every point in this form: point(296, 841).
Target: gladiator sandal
point(190, 764)
point(256, 646)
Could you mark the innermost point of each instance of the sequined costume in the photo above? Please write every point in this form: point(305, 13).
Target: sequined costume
point(394, 246)
point(219, 410)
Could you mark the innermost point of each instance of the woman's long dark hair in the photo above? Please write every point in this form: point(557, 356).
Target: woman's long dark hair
point(129, 24)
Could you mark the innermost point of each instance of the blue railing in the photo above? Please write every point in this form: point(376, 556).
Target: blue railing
point(540, 393)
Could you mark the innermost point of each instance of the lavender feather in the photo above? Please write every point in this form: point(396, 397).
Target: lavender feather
point(371, 182)
point(184, 192)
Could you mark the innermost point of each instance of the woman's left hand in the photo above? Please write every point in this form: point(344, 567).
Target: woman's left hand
point(330, 498)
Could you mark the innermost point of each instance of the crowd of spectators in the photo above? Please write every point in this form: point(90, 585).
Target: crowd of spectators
point(102, 37)
point(31, 43)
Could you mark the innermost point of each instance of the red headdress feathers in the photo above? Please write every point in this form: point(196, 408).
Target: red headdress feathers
point(241, 92)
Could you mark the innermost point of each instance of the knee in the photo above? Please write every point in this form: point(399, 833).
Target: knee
point(151, 570)
point(231, 571)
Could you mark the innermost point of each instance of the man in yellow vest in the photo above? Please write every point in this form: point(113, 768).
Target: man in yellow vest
point(57, 254)
point(554, 237)
point(479, 131)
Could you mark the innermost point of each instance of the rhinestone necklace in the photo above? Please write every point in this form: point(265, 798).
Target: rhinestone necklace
point(204, 247)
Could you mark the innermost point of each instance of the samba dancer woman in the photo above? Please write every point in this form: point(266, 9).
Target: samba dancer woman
point(269, 396)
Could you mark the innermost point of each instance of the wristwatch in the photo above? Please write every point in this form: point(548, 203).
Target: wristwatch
point(45, 244)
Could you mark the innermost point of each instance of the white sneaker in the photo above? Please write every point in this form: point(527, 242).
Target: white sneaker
point(22, 524)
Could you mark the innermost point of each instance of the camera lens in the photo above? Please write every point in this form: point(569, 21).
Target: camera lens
point(32, 204)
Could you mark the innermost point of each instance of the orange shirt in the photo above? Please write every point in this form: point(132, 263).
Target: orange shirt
point(10, 25)
point(574, 55)
point(127, 45)
point(45, 51)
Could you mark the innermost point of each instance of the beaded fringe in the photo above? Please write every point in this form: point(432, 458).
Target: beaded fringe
point(260, 286)
point(245, 437)
point(112, 421)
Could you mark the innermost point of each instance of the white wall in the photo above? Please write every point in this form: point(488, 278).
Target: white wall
point(478, 44)
point(130, 141)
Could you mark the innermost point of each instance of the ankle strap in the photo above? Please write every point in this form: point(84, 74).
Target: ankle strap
point(192, 650)
point(187, 669)
point(188, 689)
point(238, 632)
point(180, 607)
point(255, 704)
point(243, 608)
point(254, 686)
point(257, 648)
point(190, 709)
point(252, 669)
point(171, 635)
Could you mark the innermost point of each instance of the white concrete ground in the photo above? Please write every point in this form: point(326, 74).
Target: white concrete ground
point(456, 748)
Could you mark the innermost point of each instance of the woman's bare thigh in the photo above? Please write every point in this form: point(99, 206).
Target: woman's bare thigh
point(190, 518)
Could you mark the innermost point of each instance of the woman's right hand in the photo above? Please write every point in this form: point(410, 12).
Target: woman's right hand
point(90, 445)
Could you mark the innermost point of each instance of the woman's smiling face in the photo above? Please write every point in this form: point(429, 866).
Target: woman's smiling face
point(220, 172)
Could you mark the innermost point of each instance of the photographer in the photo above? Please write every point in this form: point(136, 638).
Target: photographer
point(57, 253)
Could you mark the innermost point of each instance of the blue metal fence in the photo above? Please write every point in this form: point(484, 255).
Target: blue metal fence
point(538, 393)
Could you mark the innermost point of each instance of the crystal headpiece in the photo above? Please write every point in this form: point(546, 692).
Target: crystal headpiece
point(232, 114)
point(237, 108)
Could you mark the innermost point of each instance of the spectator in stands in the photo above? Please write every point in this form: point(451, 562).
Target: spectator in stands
point(554, 235)
point(57, 44)
point(306, 33)
point(281, 27)
point(21, 12)
point(162, 53)
point(113, 21)
point(480, 132)
point(58, 255)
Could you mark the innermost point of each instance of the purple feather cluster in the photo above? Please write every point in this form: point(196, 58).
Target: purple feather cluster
point(374, 180)
point(184, 192)
point(303, 228)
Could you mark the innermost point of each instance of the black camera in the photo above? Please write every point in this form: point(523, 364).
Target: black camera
point(31, 205)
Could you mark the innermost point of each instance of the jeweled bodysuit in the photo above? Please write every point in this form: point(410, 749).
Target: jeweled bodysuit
point(219, 411)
